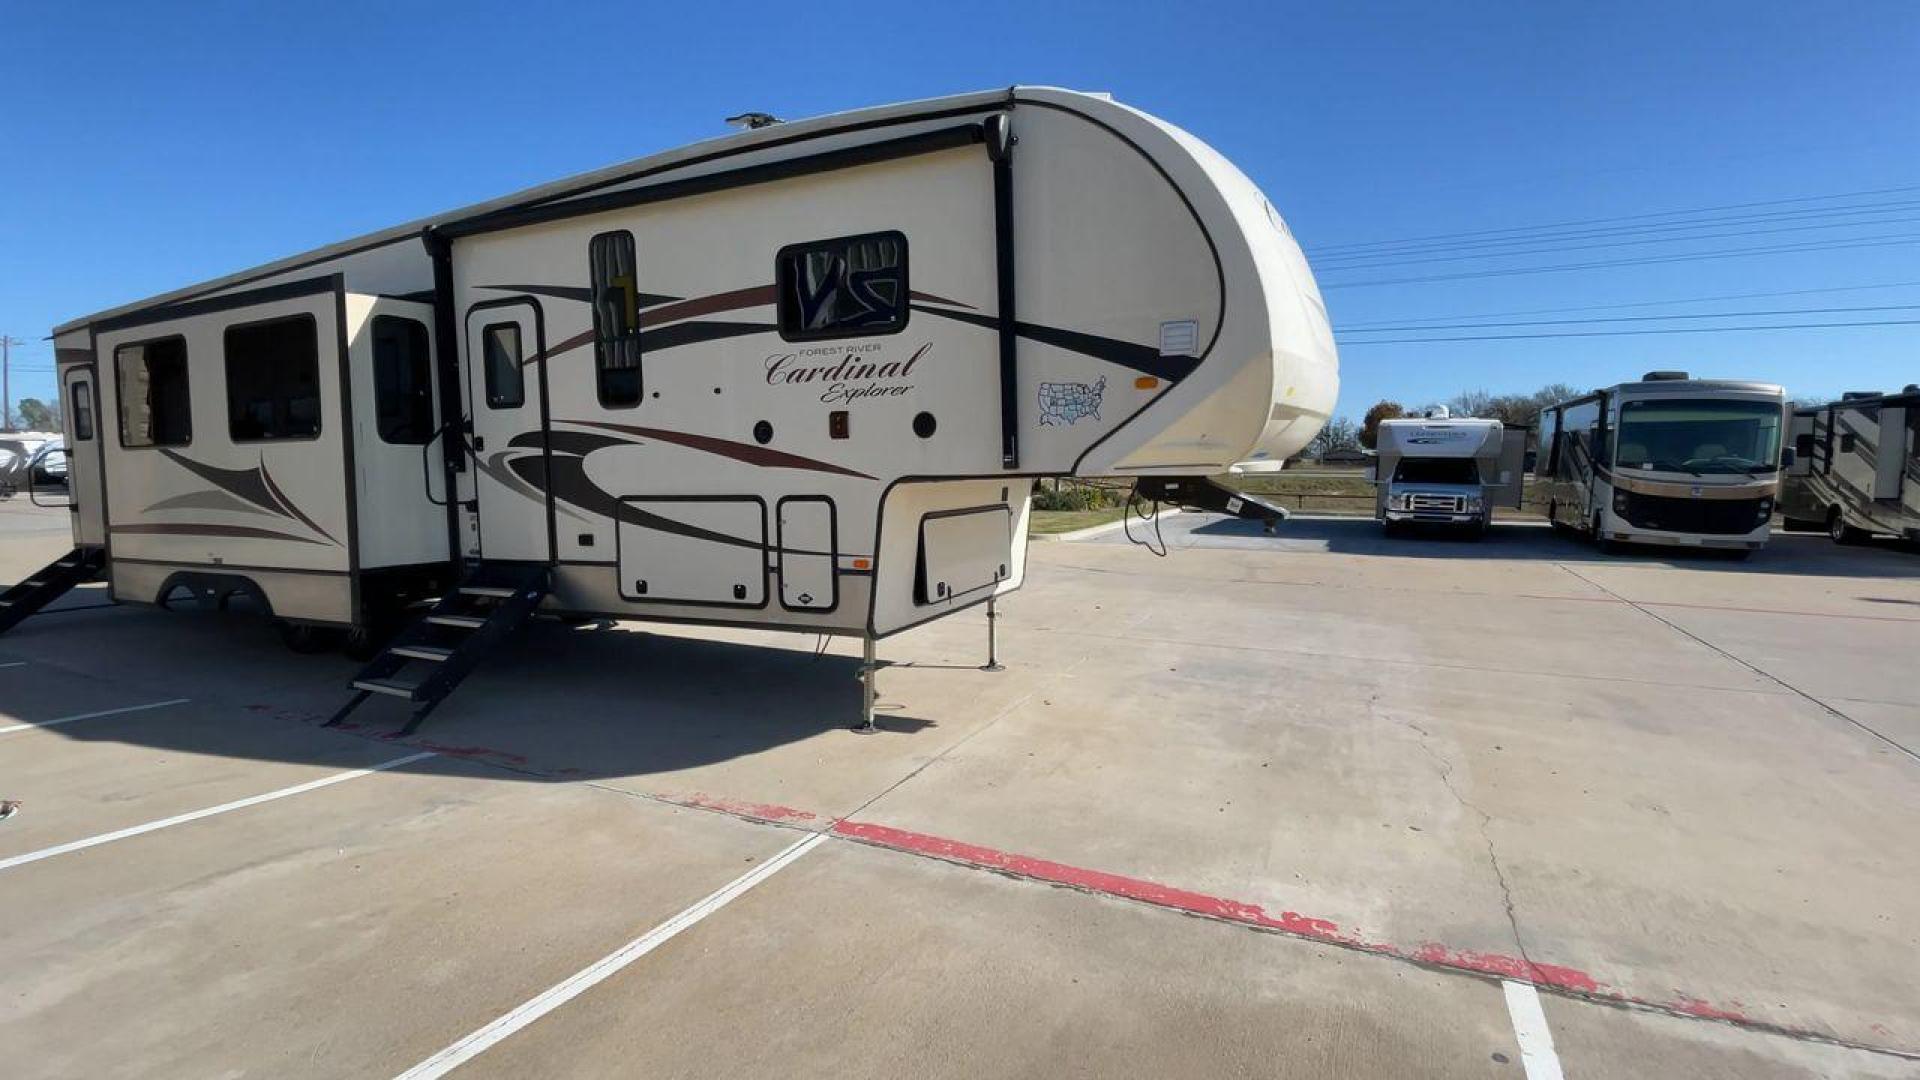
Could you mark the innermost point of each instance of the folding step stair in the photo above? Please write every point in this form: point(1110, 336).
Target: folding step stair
point(49, 584)
point(427, 660)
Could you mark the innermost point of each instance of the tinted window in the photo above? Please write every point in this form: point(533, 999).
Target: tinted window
point(1803, 445)
point(1846, 444)
point(1437, 471)
point(847, 287)
point(151, 381)
point(616, 318)
point(402, 380)
point(82, 411)
point(500, 346)
point(273, 380)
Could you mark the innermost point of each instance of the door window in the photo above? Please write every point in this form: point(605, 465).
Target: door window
point(500, 358)
point(83, 411)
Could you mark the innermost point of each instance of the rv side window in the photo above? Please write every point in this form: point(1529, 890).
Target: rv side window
point(273, 380)
point(506, 386)
point(82, 412)
point(1803, 446)
point(1846, 444)
point(151, 381)
point(616, 319)
point(852, 286)
point(402, 380)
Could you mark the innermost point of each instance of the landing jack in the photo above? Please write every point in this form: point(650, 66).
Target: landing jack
point(993, 617)
point(868, 667)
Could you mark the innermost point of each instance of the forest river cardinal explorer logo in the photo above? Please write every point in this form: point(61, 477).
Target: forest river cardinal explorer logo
point(845, 374)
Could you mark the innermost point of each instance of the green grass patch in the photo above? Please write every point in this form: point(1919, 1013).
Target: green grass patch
point(1059, 521)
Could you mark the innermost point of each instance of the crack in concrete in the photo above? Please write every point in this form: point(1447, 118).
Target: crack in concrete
point(1445, 769)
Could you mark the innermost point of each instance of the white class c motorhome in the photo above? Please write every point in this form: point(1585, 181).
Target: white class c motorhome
point(1437, 470)
point(1668, 460)
point(1856, 468)
point(800, 377)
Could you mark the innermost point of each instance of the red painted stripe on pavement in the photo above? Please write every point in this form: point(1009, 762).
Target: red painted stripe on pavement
point(1093, 881)
point(1431, 954)
point(740, 808)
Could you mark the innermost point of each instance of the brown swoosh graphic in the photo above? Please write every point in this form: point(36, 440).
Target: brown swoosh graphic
point(747, 452)
point(254, 485)
point(243, 531)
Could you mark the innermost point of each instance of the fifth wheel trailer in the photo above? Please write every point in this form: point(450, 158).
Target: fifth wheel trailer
point(800, 377)
point(1856, 467)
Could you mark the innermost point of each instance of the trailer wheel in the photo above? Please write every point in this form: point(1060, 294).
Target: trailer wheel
point(305, 638)
point(1840, 531)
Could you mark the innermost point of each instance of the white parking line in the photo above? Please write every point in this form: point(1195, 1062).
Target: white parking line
point(592, 975)
point(13, 663)
point(91, 715)
point(196, 815)
point(1530, 1030)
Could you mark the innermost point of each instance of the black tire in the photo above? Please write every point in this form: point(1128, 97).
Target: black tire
point(1840, 531)
point(363, 643)
point(306, 639)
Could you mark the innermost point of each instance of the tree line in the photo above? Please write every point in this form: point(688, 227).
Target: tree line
point(1513, 410)
point(32, 414)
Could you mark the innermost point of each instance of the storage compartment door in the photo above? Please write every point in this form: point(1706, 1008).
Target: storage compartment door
point(963, 551)
point(694, 550)
point(808, 547)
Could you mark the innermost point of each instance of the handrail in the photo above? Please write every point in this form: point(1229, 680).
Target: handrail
point(33, 466)
point(426, 468)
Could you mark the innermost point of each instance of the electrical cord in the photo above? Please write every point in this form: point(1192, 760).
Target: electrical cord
point(1126, 522)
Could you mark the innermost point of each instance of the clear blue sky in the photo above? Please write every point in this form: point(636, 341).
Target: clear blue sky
point(147, 146)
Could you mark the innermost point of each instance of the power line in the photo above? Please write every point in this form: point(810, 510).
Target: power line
point(1904, 238)
point(1630, 318)
point(1648, 303)
point(1633, 333)
point(1428, 246)
point(1631, 217)
point(1394, 260)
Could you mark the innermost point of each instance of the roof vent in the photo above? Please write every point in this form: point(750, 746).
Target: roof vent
point(1664, 376)
point(1912, 388)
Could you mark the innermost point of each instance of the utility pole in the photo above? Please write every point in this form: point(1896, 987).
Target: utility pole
point(6, 380)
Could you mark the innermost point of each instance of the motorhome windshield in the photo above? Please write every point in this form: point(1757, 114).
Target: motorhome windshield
point(1437, 471)
point(1699, 436)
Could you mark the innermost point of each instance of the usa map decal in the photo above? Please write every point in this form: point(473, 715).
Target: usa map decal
point(1069, 402)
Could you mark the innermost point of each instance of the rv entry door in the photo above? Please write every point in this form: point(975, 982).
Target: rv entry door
point(507, 435)
point(83, 457)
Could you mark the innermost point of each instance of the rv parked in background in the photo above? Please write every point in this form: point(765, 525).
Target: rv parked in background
point(1667, 460)
point(1442, 471)
point(1856, 468)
